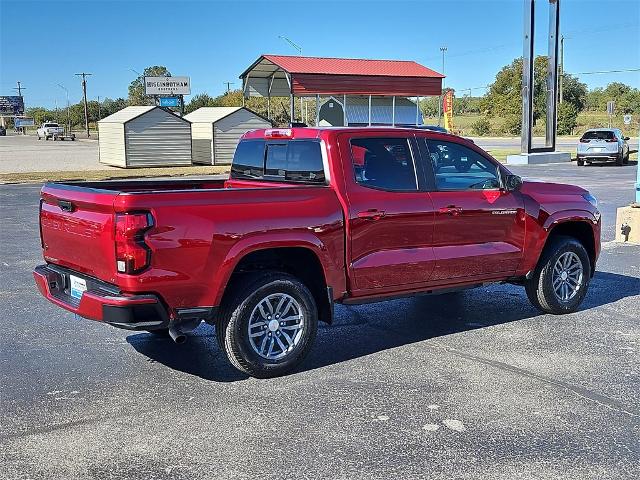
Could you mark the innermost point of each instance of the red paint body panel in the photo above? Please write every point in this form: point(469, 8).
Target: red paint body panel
point(423, 240)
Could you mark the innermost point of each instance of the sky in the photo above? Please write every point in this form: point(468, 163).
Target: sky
point(44, 43)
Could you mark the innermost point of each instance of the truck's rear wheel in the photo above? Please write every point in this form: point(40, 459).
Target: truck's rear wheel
point(561, 278)
point(269, 325)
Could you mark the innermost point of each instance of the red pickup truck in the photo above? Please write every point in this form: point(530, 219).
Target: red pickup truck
point(310, 217)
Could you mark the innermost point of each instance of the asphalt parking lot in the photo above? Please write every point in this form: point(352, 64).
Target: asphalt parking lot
point(477, 385)
point(25, 153)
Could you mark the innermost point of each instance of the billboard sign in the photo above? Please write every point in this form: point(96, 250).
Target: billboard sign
point(169, 101)
point(167, 86)
point(13, 105)
point(20, 122)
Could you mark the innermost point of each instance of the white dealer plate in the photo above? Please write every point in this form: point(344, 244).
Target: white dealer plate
point(78, 286)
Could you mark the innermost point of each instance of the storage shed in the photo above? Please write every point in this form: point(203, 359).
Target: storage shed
point(145, 136)
point(399, 111)
point(215, 132)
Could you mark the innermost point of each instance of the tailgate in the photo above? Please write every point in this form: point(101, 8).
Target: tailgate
point(77, 230)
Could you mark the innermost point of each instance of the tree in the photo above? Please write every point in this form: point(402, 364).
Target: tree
point(198, 101)
point(505, 93)
point(109, 106)
point(627, 98)
point(481, 127)
point(574, 92)
point(567, 118)
point(136, 88)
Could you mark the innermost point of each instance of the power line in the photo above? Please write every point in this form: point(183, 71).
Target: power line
point(607, 71)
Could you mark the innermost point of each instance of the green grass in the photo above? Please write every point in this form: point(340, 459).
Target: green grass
point(586, 120)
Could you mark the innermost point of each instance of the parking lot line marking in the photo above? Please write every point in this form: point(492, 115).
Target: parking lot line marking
point(579, 391)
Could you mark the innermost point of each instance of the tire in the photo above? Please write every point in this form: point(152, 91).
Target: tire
point(625, 159)
point(252, 292)
point(619, 160)
point(540, 288)
point(580, 162)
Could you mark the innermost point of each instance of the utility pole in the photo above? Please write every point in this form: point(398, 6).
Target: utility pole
point(99, 113)
point(68, 113)
point(19, 88)
point(443, 50)
point(228, 84)
point(84, 97)
point(561, 65)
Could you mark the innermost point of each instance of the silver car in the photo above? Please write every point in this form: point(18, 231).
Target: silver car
point(603, 145)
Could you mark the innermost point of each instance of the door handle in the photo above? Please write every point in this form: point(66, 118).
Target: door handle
point(372, 214)
point(451, 210)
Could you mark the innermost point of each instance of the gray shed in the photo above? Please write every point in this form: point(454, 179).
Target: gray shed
point(144, 137)
point(215, 132)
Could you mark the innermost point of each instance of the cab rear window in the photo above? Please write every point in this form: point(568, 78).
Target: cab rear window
point(298, 161)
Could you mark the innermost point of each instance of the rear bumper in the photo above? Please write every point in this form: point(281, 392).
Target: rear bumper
point(101, 301)
point(598, 157)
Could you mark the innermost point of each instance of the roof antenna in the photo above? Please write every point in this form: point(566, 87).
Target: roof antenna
point(290, 42)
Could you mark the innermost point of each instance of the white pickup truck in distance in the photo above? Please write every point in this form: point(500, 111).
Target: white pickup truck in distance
point(54, 131)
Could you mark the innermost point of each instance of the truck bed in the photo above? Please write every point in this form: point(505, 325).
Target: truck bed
point(199, 228)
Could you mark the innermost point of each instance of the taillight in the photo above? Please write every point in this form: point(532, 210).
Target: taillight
point(132, 254)
point(278, 133)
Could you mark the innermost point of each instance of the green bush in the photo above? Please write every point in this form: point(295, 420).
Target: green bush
point(512, 125)
point(567, 118)
point(481, 127)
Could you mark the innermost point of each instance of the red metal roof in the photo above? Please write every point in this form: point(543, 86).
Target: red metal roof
point(351, 66)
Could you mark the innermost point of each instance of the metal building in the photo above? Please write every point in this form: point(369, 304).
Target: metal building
point(215, 132)
point(383, 112)
point(146, 136)
point(340, 78)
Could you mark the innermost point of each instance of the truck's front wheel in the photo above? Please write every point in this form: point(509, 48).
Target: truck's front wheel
point(269, 325)
point(560, 281)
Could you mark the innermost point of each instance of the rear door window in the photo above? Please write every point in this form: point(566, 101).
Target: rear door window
point(384, 163)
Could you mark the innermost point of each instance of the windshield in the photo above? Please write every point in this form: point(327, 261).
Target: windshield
point(51, 125)
point(598, 135)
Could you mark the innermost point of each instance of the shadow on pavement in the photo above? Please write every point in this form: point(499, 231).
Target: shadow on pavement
point(362, 330)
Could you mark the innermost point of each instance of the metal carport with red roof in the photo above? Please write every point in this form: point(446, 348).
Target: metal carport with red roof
point(297, 76)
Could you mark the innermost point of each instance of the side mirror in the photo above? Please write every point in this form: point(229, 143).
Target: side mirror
point(626, 138)
point(512, 183)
